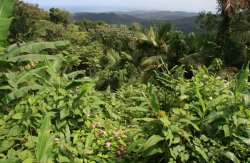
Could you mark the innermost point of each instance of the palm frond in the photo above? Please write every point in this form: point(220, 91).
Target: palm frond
point(149, 36)
point(164, 30)
point(230, 6)
point(242, 34)
point(152, 62)
point(113, 58)
point(149, 64)
point(194, 60)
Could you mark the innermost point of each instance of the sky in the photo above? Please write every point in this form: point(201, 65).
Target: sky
point(114, 5)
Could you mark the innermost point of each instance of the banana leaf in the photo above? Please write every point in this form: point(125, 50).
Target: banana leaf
point(6, 7)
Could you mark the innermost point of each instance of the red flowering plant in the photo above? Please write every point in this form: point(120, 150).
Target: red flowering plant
point(109, 140)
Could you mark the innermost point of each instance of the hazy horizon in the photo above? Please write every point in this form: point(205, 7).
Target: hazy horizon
point(128, 5)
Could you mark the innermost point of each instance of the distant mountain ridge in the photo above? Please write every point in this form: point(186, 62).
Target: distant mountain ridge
point(184, 21)
point(110, 18)
point(159, 15)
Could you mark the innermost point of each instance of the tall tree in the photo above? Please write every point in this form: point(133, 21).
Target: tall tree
point(207, 21)
point(25, 15)
point(59, 16)
point(227, 9)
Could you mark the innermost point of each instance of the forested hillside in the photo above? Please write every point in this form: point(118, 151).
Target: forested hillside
point(159, 15)
point(183, 21)
point(89, 91)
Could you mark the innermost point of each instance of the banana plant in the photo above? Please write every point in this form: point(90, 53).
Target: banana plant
point(18, 51)
point(22, 56)
point(6, 7)
point(12, 61)
point(47, 74)
point(25, 69)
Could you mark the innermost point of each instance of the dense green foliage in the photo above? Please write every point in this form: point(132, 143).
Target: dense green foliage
point(93, 92)
point(183, 21)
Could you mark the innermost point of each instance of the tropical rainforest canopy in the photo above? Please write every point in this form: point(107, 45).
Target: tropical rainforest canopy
point(88, 91)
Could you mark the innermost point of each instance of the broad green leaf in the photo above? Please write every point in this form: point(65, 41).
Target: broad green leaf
point(213, 116)
point(4, 31)
point(144, 119)
point(6, 87)
point(226, 130)
point(17, 116)
point(243, 121)
point(135, 144)
point(64, 113)
point(61, 123)
point(79, 160)
point(154, 102)
point(112, 113)
point(191, 123)
point(137, 109)
point(153, 140)
point(33, 47)
point(231, 156)
point(153, 99)
point(202, 153)
point(86, 87)
point(68, 135)
point(197, 86)
point(62, 158)
point(246, 99)
point(153, 151)
point(76, 73)
point(176, 140)
point(242, 78)
point(31, 142)
point(14, 78)
point(6, 7)
point(32, 57)
point(247, 141)
point(169, 136)
point(165, 121)
point(89, 141)
point(6, 144)
point(24, 154)
point(21, 92)
point(14, 131)
point(217, 101)
point(45, 141)
point(28, 160)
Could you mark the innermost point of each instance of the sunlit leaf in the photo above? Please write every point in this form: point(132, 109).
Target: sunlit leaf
point(45, 140)
point(153, 140)
point(202, 153)
point(231, 156)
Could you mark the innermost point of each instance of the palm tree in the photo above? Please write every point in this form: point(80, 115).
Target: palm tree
point(156, 38)
point(227, 9)
point(154, 49)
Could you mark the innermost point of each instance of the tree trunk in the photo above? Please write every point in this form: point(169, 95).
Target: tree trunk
point(224, 28)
